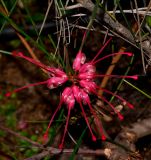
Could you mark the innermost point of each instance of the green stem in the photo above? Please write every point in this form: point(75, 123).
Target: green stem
point(145, 94)
point(90, 23)
point(126, 73)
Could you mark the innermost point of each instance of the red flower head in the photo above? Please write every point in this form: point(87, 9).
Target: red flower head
point(83, 85)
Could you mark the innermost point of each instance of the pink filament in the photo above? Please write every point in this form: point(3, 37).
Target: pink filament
point(102, 48)
point(119, 97)
point(65, 129)
point(97, 120)
point(51, 120)
point(91, 75)
point(38, 63)
point(84, 36)
point(135, 77)
point(24, 87)
point(113, 54)
point(105, 100)
point(86, 119)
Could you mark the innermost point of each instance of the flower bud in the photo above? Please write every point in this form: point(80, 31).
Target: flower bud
point(84, 97)
point(78, 61)
point(76, 92)
point(86, 76)
point(87, 68)
point(89, 86)
point(68, 97)
point(57, 72)
point(54, 82)
point(67, 91)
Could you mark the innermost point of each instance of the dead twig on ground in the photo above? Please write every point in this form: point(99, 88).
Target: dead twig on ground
point(124, 147)
point(51, 150)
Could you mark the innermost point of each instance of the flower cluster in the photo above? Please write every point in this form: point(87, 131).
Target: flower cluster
point(83, 85)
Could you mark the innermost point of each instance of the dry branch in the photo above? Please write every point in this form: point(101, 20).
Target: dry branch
point(116, 26)
point(54, 151)
point(127, 138)
point(124, 151)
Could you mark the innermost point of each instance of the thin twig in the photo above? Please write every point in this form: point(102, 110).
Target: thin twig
point(124, 147)
point(109, 71)
point(25, 43)
point(140, 37)
point(46, 15)
point(118, 27)
point(30, 50)
point(53, 151)
point(140, 12)
point(146, 12)
point(21, 137)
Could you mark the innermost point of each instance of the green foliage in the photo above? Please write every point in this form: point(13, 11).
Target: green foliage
point(30, 152)
point(47, 158)
point(1, 96)
point(148, 20)
point(2, 133)
point(34, 137)
point(8, 110)
point(15, 43)
point(78, 144)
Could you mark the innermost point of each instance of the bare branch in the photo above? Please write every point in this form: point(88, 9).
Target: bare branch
point(118, 27)
point(53, 151)
point(124, 147)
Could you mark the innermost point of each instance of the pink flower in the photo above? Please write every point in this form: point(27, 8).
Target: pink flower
point(88, 86)
point(87, 68)
point(83, 85)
